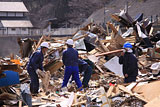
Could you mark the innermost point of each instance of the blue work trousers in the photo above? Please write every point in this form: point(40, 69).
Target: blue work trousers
point(74, 71)
point(34, 85)
point(27, 99)
point(87, 76)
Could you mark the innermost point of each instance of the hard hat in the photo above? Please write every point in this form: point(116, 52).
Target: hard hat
point(69, 42)
point(45, 44)
point(127, 45)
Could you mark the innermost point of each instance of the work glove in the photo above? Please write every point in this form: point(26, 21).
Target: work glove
point(40, 73)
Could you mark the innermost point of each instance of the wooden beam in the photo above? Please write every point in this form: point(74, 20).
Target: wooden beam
point(109, 92)
point(105, 100)
point(75, 98)
point(112, 27)
point(39, 42)
point(110, 52)
point(80, 37)
point(121, 87)
point(79, 103)
point(99, 68)
point(115, 17)
point(105, 49)
point(20, 104)
point(70, 100)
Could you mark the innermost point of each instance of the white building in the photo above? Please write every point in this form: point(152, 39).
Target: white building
point(13, 20)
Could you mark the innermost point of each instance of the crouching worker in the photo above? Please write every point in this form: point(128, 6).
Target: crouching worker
point(129, 62)
point(86, 69)
point(35, 63)
point(70, 60)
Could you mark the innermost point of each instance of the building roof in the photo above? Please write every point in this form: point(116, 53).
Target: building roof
point(16, 23)
point(12, 7)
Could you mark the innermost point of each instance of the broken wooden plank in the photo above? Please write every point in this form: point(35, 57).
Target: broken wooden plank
point(105, 100)
point(20, 104)
point(112, 27)
point(70, 100)
point(115, 17)
point(45, 77)
point(109, 92)
point(79, 103)
point(75, 98)
point(39, 43)
point(80, 37)
point(99, 68)
point(110, 52)
point(105, 49)
point(131, 86)
point(121, 87)
point(7, 96)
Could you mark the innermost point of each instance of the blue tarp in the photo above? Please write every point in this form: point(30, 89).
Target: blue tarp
point(11, 78)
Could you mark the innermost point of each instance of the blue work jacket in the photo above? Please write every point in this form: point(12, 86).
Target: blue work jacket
point(36, 61)
point(70, 57)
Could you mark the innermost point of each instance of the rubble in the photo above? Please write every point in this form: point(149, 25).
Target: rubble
point(102, 47)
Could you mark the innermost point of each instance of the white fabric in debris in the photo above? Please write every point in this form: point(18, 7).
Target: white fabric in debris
point(91, 37)
point(79, 44)
point(158, 44)
point(128, 32)
point(155, 66)
point(140, 33)
point(25, 88)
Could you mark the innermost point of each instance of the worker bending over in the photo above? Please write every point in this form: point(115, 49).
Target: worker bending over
point(86, 69)
point(36, 62)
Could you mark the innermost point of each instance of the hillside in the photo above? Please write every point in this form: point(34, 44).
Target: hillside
point(148, 7)
point(70, 13)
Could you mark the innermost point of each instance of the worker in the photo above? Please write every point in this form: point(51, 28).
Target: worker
point(35, 63)
point(86, 69)
point(70, 60)
point(129, 62)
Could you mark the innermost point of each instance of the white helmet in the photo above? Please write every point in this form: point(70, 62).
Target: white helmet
point(45, 44)
point(69, 42)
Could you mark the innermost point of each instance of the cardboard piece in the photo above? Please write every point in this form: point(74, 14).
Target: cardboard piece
point(149, 91)
point(153, 103)
point(53, 66)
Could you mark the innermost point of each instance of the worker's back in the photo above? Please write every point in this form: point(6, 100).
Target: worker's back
point(70, 57)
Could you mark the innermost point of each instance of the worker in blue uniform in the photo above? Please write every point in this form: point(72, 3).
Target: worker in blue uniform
point(129, 63)
point(70, 60)
point(35, 63)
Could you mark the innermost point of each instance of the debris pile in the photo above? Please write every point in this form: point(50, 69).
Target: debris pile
point(100, 45)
